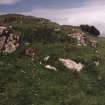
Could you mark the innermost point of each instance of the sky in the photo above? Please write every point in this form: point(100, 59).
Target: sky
point(69, 12)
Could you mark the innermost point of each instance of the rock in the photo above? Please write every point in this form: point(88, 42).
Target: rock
point(97, 63)
point(79, 44)
point(70, 64)
point(9, 48)
point(96, 51)
point(30, 52)
point(40, 62)
point(99, 78)
point(8, 40)
point(32, 59)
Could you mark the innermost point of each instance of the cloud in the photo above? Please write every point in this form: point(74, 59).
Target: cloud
point(8, 2)
point(92, 13)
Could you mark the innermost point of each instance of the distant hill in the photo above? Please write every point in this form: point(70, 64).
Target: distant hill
point(31, 27)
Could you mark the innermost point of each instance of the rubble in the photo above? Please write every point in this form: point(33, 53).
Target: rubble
point(70, 64)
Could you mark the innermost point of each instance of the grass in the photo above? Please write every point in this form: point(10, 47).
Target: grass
point(24, 81)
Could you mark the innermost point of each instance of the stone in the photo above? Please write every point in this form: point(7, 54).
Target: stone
point(97, 63)
point(8, 41)
point(30, 52)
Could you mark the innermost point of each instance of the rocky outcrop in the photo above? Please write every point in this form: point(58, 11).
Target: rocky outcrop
point(8, 40)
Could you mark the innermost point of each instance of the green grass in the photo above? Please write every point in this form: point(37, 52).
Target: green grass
point(24, 81)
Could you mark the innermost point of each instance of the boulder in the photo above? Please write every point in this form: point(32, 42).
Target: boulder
point(8, 41)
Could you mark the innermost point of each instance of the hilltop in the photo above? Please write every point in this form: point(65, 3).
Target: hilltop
point(36, 72)
point(18, 20)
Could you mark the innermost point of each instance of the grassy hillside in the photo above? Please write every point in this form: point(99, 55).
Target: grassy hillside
point(24, 81)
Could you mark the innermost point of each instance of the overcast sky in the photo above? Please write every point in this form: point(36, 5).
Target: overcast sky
point(73, 12)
